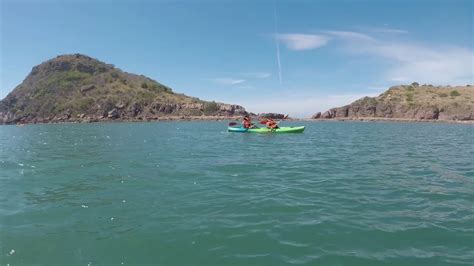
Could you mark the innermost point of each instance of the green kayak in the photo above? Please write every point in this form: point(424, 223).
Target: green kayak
point(267, 130)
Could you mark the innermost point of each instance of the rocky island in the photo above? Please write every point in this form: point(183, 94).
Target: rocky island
point(78, 88)
point(411, 103)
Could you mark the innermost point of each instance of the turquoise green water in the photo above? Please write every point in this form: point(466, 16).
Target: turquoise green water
point(189, 193)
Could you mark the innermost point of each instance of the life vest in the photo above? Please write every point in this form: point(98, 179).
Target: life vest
point(247, 123)
point(271, 124)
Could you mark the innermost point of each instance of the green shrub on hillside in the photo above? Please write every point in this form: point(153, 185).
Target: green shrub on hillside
point(63, 80)
point(454, 93)
point(75, 75)
point(409, 97)
point(114, 75)
point(210, 108)
point(84, 104)
point(145, 97)
point(367, 101)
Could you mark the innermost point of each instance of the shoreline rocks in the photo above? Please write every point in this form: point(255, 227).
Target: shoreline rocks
point(87, 119)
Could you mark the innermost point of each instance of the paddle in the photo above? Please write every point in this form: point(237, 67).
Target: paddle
point(285, 117)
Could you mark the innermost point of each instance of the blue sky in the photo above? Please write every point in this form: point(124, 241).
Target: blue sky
point(307, 56)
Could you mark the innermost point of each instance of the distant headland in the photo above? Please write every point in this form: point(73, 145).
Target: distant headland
point(78, 88)
point(410, 103)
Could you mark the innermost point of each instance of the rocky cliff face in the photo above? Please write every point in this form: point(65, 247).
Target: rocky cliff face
point(414, 102)
point(272, 115)
point(79, 88)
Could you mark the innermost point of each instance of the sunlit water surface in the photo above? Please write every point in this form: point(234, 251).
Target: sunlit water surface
point(190, 193)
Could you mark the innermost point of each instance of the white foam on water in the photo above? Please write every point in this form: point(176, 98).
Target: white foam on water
point(11, 252)
point(84, 206)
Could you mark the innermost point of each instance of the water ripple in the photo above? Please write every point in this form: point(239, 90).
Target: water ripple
point(338, 194)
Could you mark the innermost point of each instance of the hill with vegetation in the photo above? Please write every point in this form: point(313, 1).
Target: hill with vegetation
point(411, 102)
point(73, 88)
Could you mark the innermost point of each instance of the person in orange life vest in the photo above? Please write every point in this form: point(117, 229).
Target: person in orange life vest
point(246, 122)
point(271, 124)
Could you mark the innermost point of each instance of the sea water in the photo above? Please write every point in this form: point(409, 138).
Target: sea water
point(190, 193)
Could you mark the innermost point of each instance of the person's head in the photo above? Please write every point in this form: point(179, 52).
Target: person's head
point(246, 117)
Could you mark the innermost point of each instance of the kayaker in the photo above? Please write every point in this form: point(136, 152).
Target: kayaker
point(247, 123)
point(271, 124)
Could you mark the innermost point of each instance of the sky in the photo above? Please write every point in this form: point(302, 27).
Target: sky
point(295, 57)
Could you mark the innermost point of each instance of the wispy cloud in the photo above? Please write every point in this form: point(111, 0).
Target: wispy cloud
point(257, 75)
point(227, 81)
point(385, 30)
point(245, 87)
point(410, 61)
point(299, 42)
point(350, 35)
point(452, 66)
point(244, 78)
point(415, 61)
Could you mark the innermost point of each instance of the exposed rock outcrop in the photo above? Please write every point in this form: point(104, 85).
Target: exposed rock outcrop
point(316, 115)
point(272, 115)
point(413, 102)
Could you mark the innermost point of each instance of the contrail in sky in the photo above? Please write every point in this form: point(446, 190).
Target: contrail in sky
point(276, 41)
